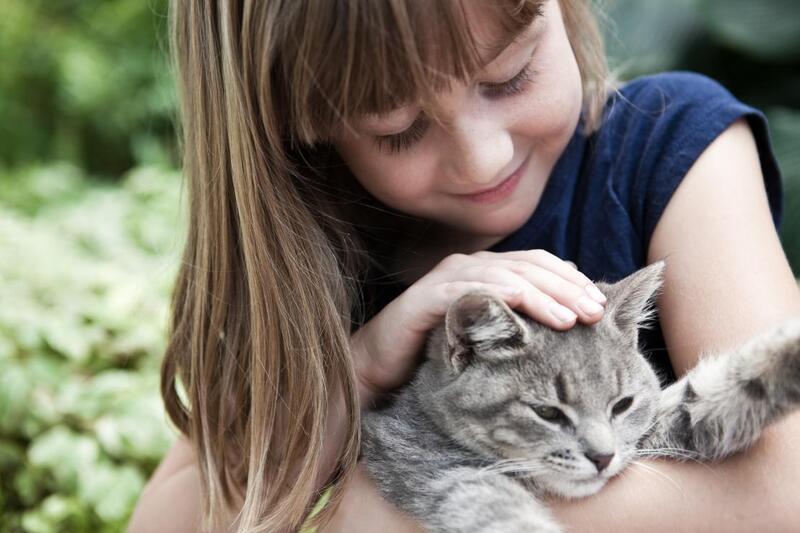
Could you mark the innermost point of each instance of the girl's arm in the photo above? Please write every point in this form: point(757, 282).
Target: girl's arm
point(727, 279)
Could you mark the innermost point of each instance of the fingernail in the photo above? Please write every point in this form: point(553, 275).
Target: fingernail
point(590, 307)
point(595, 293)
point(562, 314)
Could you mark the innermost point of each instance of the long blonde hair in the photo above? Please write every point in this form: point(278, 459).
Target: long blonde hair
point(268, 290)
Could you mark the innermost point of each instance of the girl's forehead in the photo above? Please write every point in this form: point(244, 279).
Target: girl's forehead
point(491, 39)
point(387, 55)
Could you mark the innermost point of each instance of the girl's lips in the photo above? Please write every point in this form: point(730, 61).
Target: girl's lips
point(501, 190)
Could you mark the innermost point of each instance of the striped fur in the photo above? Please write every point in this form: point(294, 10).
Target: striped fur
point(472, 441)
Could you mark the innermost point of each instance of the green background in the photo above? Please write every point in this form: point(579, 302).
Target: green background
point(90, 218)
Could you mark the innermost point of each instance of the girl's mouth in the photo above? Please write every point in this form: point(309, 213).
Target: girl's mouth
point(501, 190)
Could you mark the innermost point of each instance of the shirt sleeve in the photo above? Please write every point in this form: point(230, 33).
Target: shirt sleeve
point(660, 125)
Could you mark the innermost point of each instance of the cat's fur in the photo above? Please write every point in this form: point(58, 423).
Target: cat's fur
point(461, 449)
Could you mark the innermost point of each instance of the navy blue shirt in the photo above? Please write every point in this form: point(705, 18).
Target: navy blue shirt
point(607, 191)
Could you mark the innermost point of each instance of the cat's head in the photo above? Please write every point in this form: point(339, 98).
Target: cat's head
point(572, 405)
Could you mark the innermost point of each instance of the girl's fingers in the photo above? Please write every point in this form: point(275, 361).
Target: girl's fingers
point(546, 297)
point(526, 299)
point(432, 301)
point(565, 292)
point(560, 290)
point(544, 259)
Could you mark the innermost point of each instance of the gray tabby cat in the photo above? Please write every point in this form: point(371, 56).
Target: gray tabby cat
point(505, 409)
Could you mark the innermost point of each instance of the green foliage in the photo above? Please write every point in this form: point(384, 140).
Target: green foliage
point(768, 29)
point(785, 126)
point(86, 268)
point(753, 48)
point(87, 279)
point(86, 82)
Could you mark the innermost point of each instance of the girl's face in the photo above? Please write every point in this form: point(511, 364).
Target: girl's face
point(513, 120)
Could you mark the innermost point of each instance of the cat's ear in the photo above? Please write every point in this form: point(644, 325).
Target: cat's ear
point(631, 300)
point(480, 325)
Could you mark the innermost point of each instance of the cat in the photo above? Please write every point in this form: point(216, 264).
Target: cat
point(505, 409)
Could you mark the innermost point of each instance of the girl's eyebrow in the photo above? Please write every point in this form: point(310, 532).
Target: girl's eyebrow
point(492, 51)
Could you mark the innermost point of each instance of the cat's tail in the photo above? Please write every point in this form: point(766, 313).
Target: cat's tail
point(722, 405)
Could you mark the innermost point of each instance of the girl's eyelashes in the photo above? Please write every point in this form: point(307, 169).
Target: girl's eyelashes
point(402, 141)
point(514, 86)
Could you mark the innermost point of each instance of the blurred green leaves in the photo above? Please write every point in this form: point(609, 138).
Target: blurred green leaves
point(785, 128)
point(86, 272)
point(86, 82)
point(89, 223)
point(766, 29)
point(753, 48)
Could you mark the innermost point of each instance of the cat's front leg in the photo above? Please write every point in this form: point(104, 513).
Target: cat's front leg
point(470, 500)
point(722, 405)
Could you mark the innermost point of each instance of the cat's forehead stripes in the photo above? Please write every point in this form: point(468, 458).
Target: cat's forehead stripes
point(562, 389)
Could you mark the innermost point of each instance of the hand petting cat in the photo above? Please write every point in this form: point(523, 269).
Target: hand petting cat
point(536, 283)
point(505, 411)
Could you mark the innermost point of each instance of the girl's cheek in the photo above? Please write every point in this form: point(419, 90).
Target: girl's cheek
point(409, 181)
point(397, 182)
point(554, 111)
point(556, 95)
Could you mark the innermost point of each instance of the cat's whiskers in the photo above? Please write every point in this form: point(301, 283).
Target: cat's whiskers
point(675, 453)
point(508, 466)
point(672, 453)
point(653, 423)
point(649, 469)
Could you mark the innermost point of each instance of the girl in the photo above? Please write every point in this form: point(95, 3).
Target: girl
point(356, 165)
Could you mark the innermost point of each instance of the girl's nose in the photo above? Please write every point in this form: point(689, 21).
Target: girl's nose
point(482, 149)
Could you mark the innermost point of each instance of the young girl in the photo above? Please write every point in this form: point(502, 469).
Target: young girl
point(355, 165)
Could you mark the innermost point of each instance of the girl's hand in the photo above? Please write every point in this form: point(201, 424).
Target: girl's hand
point(533, 282)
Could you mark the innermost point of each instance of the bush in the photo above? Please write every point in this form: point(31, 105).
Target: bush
point(85, 290)
point(753, 48)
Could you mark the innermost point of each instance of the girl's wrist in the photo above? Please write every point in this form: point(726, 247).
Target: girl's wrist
point(361, 349)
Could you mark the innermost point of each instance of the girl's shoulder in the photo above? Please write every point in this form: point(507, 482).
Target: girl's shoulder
point(674, 102)
point(654, 129)
point(681, 85)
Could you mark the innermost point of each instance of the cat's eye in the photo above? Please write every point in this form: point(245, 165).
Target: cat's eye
point(550, 413)
point(621, 406)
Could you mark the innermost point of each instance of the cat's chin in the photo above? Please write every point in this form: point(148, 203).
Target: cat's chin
point(572, 490)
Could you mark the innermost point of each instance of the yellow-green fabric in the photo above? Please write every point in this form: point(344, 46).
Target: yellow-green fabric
point(323, 499)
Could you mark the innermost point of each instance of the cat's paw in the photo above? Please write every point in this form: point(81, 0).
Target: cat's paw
point(537, 525)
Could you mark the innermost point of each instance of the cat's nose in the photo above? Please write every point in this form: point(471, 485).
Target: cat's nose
point(600, 460)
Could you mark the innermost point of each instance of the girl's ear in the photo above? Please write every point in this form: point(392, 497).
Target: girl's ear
point(480, 325)
point(631, 300)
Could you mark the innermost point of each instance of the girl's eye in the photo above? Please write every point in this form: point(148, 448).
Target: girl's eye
point(514, 86)
point(403, 140)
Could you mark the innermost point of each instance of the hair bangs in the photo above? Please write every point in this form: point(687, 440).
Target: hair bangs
point(363, 58)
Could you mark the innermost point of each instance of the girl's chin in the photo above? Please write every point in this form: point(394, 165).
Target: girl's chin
point(499, 223)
